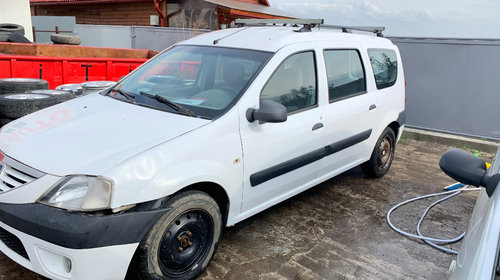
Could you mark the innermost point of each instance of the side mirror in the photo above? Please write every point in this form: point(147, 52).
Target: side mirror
point(468, 169)
point(269, 111)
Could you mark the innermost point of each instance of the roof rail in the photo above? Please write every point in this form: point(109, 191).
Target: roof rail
point(285, 21)
point(308, 24)
point(348, 29)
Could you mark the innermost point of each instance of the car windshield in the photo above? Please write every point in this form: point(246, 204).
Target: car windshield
point(198, 81)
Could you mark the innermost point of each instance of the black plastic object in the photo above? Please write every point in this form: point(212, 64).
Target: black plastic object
point(269, 111)
point(468, 169)
point(463, 167)
point(490, 183)
point(77, 230)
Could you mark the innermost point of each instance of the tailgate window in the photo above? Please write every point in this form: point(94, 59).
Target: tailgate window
point(385, 67)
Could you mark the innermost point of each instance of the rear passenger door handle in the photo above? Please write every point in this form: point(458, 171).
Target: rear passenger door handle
point(317, 126)
point(373, 106)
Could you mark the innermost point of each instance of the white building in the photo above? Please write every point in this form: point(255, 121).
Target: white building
point(17, 11)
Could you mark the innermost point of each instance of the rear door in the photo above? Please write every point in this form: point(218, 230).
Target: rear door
point(351, 114)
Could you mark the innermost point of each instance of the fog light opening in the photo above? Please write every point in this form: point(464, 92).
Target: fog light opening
point(67, 264)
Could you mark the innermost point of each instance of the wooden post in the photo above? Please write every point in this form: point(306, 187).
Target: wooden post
point(34, 34)
point(164, 10)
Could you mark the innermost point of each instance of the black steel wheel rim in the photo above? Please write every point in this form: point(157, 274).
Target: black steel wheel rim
point(385, 152)
point(186, 243)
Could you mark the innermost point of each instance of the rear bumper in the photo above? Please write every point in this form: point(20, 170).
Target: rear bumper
point(401, 121)
point(402, 118)
point(68, 245)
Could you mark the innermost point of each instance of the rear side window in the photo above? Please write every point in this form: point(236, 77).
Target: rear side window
point(385, 67)
point(346, 76)
point(293, 84)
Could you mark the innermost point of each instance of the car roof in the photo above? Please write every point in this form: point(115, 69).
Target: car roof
point(273, 38)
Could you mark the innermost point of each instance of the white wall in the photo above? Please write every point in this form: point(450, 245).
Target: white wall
point(17, 11)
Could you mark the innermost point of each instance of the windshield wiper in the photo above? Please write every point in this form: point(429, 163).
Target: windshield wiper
point(171, 104)
point(130, 97)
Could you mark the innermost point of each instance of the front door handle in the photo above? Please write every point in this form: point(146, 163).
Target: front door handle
point(317, 126)
point(373, 106)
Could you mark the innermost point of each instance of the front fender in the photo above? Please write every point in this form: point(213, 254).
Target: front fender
point(211, 153)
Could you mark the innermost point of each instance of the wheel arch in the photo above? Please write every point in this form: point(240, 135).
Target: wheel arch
point(141, 262)
point(214, 190)
point(395, 128)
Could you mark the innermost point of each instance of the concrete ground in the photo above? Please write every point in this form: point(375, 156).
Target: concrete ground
point(338, 230)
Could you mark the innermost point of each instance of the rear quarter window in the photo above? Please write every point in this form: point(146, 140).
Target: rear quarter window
point(385, 67)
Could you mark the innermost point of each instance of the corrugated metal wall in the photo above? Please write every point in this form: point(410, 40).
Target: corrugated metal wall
point(453, 85)
point(136, 37)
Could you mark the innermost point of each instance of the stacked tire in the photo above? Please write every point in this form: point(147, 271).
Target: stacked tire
point(77, 89)
point(11, 32)
point(64, 39)
point(23, 96)
point(21, 85)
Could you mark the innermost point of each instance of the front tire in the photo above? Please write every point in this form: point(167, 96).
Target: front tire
point(183, 241)
point(382, 155)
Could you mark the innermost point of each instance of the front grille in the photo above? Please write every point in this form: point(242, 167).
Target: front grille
point(12, 178)
point(13, 243)
point(15, 174)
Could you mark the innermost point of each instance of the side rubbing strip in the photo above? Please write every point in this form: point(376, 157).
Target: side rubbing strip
point(303, 160)
point(346, 143)
point(285, 167)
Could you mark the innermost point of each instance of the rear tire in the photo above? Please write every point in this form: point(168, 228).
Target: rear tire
point(182, 242)
point(382, 155)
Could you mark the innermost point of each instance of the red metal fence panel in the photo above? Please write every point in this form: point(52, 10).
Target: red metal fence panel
point(64, 70)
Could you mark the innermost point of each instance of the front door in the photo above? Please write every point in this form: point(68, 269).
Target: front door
point(281, 159)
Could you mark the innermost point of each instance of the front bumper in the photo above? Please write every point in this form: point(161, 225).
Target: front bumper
point(68, 245)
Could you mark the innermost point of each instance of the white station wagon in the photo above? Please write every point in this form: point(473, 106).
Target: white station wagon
point(141, 178)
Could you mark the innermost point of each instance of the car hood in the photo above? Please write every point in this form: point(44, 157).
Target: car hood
point(89, 135)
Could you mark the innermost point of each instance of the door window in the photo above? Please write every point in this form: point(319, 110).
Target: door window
point(346, 76)
point(293, 84)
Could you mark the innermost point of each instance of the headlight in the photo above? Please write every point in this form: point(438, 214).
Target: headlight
point(80, 193)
